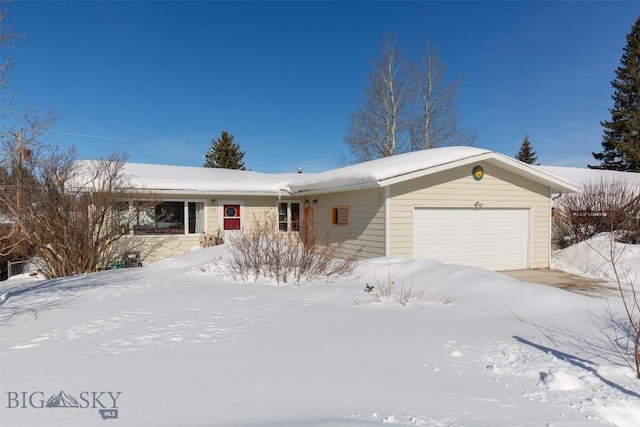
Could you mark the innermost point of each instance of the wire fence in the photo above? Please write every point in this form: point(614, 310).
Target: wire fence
point(15, 268)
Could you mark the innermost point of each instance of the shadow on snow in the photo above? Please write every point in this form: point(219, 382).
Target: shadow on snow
point(55, 293)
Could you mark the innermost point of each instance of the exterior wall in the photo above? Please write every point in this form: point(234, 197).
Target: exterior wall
point(456, 188)
point(365, 231)
point(155, 248)
point(363, 235)
point(254, 209)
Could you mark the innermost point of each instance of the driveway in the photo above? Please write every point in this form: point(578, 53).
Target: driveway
point(563, 280)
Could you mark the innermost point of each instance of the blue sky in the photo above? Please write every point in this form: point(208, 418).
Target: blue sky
point(160, 80)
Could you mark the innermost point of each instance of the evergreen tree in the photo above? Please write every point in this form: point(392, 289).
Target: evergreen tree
point(526, 153)
point(224, 153)
point(621, 136)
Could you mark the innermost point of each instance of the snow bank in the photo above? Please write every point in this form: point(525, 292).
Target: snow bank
point(185, 345)
point(593, 258)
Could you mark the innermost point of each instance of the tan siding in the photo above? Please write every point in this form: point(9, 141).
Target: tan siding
point(365, 231)
point(212, 219)
point(155, 248)
point(260, 208)
point(254, 208)
point(457, 188)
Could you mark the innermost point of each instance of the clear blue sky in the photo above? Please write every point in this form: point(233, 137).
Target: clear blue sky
point(160, 80)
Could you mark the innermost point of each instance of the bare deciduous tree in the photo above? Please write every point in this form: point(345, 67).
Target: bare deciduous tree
point(378, 128)
point(408, 106)
point(20, 127)
point(65, 210)
point(434, 122)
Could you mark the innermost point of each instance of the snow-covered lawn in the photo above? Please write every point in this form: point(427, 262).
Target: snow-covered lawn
point(185, 346)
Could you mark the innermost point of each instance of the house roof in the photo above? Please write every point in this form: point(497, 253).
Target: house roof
point(391, 170)
point(371, 174)
point(582, 176)
point(189, 180)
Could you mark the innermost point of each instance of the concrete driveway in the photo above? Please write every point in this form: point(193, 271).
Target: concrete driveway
point(563, 280)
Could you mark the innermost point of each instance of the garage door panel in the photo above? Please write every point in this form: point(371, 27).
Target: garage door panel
point(496, 239)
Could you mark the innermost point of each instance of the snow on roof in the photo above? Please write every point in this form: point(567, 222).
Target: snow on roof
point(371, 174)
point(375, 172)
point(185, 179)
point(582, 176)
point(390, 170)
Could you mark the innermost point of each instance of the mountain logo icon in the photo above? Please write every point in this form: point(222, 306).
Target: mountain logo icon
point(62, 400)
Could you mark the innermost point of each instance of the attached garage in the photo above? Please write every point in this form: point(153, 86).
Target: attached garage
point(483, 210)
point(495, 239)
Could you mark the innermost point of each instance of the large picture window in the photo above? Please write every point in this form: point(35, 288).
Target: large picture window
point(168, 217)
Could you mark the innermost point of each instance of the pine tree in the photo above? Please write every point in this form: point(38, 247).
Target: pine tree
point(526, 153)
point(224, 153)
point(621, 135)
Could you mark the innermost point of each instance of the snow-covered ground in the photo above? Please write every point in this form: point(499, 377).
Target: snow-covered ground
point(179, 344)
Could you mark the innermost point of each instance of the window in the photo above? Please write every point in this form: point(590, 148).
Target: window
point(289, 216)
point(169, 217)
point(161, 218)
point(122, 216)
point(340, 215)
point(196, 217)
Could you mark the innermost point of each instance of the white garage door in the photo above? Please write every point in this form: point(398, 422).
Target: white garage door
point(495, 239)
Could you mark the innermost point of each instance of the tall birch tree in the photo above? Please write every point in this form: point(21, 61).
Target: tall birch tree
point(378, 127)
point(408, 106)
point(434, 121)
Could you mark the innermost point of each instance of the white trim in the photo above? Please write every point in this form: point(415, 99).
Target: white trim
point(550, 214)
point(530, 237)
point(288, 202)
point(337, 189)
point(387, 222)
point(204, 216)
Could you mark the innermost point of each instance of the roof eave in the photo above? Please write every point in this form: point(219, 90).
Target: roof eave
point(338, 189)
point(434, 169)
point(556, 184)
point(203, 192)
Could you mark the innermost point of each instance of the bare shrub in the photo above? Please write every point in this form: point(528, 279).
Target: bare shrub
point(263, 251)
point(208, 240)
point(385, 288)
point(64, 209)
point(599, 207)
